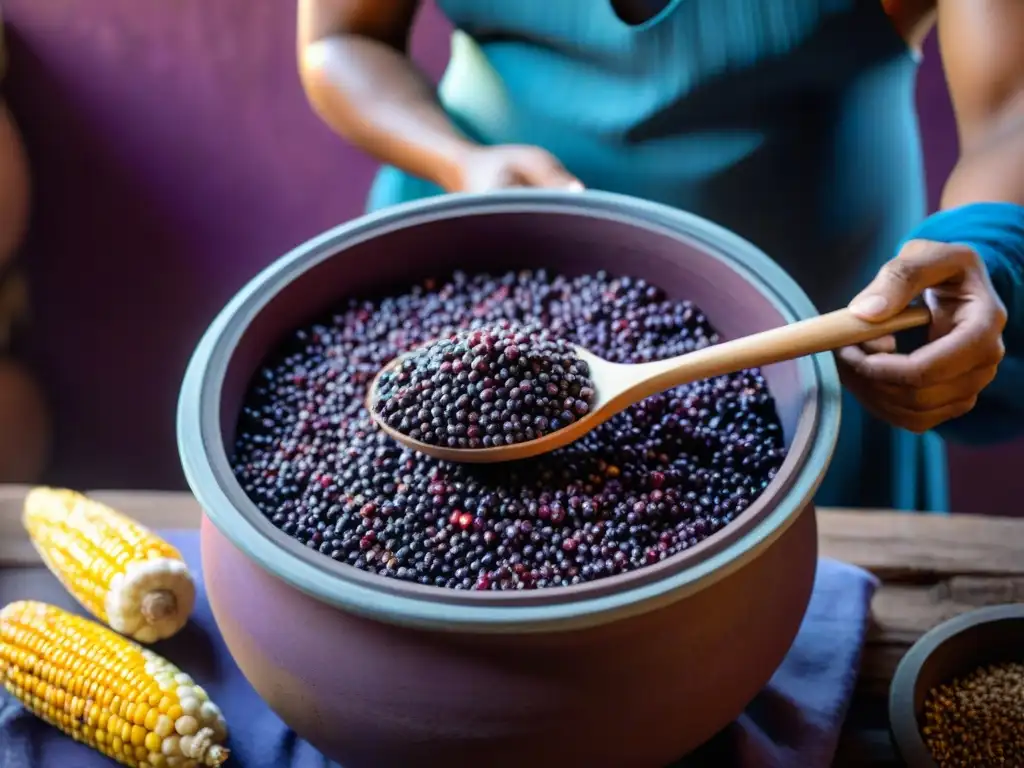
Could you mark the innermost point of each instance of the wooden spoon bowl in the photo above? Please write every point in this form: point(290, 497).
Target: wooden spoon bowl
point(618, 386)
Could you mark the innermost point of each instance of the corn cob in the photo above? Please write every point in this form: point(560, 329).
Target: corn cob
point(107, 692)
point(125, 575)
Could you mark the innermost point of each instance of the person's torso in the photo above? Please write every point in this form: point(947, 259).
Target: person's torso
point(788, 121)
point(791, 122)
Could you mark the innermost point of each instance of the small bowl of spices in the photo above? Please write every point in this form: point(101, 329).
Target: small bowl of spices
point(957, 698)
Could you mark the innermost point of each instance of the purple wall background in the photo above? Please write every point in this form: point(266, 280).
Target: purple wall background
point(174, 157)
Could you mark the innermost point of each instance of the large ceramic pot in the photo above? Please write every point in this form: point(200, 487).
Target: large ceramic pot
point(634, 670)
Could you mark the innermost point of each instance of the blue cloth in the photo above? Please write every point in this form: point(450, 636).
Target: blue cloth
point(791, 122)
point(996, 232)
point(794, 723)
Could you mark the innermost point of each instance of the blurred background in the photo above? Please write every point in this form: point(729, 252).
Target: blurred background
point(174, 156)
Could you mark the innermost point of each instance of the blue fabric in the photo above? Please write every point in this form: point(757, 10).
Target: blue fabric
point(995, 231)
point(794, 723)
point(791, 122)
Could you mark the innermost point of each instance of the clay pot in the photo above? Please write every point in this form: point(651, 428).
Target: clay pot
point(635, 670)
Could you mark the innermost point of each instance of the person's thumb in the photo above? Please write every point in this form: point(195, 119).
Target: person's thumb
point(545, 171)
point(920, 265)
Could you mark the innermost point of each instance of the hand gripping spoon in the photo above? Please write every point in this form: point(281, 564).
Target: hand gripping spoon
point(618, 386)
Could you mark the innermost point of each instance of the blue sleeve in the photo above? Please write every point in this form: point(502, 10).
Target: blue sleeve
point(996, 232)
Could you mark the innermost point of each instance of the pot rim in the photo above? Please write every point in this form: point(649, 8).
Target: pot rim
point(207, 469)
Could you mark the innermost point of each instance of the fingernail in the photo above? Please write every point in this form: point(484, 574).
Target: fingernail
point(869, 305)
point(574, 186)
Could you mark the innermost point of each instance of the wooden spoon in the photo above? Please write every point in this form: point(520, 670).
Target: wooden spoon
point(618, 386)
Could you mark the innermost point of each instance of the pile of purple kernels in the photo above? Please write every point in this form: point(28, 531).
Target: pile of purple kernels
point(649, 483)
point(484, 388)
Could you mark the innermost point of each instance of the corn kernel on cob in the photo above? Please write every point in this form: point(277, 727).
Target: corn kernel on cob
point(124, 574)
point(107, 692)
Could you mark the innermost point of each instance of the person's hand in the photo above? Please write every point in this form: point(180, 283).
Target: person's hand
point(940, 380)
point(486, 169)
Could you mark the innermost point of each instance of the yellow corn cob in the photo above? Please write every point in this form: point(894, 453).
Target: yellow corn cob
point(107, 692)
point(124, 574)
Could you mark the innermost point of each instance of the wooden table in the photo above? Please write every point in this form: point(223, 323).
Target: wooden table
point(932, 567)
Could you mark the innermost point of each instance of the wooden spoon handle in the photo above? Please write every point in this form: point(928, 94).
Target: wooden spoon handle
point(807, 337)
point(818, 334)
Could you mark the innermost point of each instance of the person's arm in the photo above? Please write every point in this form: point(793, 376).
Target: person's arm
point(968, 258)
point(982, 45)
point(358, 77)
point(355, 68)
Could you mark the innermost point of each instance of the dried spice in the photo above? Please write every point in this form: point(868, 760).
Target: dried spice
point(978, 720)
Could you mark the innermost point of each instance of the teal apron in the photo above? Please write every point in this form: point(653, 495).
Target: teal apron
point(791, 122)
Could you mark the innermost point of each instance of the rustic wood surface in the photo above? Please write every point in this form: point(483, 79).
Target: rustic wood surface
point(932, 567)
